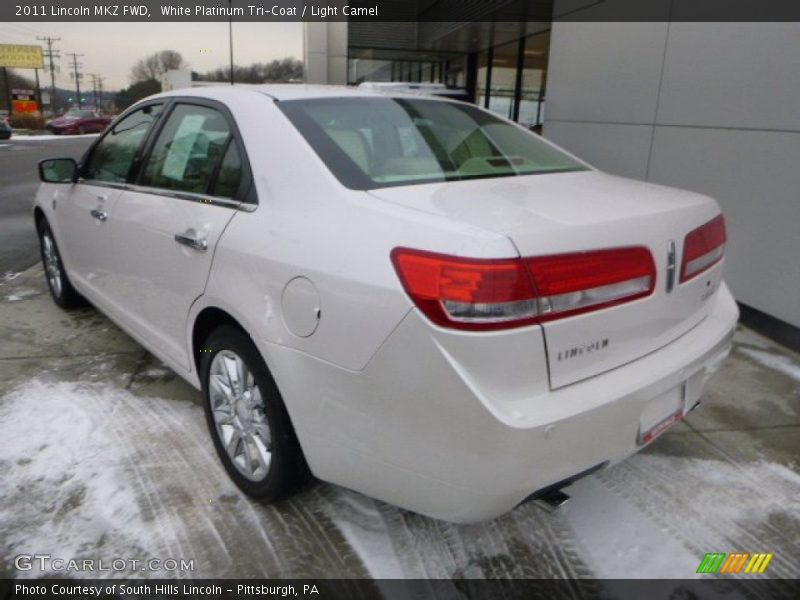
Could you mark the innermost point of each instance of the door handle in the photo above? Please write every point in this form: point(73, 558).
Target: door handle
point(100, 215)
point(199, 244)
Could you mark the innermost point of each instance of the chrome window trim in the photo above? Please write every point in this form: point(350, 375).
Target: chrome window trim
point(101, 183)
point(189, 196)
point(192, 197)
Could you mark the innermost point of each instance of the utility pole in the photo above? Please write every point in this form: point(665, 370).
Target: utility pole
point(97, 86)
point(100, 89)
point(94, 89)
point(230, 34)
point(77, 74)
point(51, 54)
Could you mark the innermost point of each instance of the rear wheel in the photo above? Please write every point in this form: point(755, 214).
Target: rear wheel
point(247, 419)
point(60, 286)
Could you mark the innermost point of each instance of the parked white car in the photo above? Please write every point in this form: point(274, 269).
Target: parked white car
point(409, 297)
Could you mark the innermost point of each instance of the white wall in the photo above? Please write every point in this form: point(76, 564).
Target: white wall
point(325, 52)
point(712, 107)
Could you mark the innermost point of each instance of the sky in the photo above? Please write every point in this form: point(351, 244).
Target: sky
point(111, 49)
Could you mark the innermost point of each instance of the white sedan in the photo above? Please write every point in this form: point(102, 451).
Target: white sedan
point(407, 296)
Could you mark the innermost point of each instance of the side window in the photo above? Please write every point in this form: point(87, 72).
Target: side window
point(188, 149)
point(230, 173)
point(113, 156)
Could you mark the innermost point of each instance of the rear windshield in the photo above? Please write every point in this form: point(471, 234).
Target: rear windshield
point(371, 143)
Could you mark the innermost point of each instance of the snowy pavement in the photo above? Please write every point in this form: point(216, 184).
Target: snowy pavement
point(105, 453)
point(49, 137)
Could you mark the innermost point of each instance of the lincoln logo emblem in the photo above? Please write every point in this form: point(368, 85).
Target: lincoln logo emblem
point(670, 265)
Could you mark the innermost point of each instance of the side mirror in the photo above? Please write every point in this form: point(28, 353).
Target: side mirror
point(58, 170)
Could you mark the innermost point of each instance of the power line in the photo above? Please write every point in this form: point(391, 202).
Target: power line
point(51, 54)
point(76, 74)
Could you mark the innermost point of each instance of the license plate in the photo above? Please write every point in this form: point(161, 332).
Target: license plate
point(661, 413)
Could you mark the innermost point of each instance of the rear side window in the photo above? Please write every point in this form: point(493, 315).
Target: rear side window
point(230, 173)
point(113, 156)
point(189, 150)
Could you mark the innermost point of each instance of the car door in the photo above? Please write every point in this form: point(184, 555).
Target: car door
point(167, 226)
point(83, 215)
point(96, 124)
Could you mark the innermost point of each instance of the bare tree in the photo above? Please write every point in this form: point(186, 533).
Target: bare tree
point(155, 65)
point(281, 70)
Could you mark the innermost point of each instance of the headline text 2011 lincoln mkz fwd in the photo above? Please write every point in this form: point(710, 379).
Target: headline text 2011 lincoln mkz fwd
point(407, 296)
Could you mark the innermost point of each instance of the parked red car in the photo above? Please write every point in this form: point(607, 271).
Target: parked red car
point(79, 122)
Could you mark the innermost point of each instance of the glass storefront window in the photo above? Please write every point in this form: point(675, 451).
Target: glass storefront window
point(504, 79)
point(482, 79)
point(499, 79)
point(456, 72)
point(405, 66)
point(534, 80)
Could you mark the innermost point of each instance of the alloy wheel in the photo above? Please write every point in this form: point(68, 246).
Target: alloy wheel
point(52, 264)
point(238, 410)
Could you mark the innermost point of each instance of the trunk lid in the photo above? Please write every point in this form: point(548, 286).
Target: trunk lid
point(574, 212)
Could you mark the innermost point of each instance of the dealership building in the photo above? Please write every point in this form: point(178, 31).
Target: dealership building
point(707, 106)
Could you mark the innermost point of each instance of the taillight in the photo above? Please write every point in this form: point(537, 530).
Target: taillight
point(482, 294)
point(467, 293)
point(574, 283)
point(703, 248)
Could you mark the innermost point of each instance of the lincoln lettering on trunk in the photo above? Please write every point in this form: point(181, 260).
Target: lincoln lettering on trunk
point(581, 350)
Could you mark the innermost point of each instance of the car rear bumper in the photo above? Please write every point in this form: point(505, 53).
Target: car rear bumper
point(464, 427)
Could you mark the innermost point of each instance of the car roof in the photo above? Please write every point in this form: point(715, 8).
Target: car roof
point(292, 91)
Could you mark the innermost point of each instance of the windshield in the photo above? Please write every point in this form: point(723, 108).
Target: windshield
point(378, 142)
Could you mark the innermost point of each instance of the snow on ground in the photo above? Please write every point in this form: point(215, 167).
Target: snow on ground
point(18, 137)
point(99, 472)
point(9, 276)
point(777, 362)
point(21, 294)
point(720, 504)
point(75, 476)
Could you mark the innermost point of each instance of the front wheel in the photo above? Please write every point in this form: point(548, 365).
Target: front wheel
point(61, 290)
point(247, 419)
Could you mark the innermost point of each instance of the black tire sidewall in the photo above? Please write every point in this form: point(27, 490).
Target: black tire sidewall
point(287, 466)
point(62, 299)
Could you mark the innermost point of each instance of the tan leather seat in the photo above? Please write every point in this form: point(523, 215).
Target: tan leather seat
point(354, 145)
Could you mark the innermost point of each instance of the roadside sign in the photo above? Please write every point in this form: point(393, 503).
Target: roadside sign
point(21, 56)
point(23, 101)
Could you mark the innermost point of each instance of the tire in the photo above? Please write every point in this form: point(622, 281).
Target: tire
point(265, 461)
point(61, 290)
